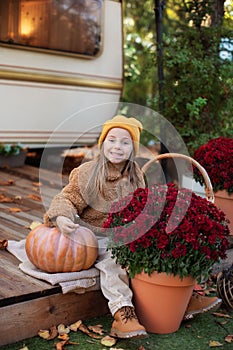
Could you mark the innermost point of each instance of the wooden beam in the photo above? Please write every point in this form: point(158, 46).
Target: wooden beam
point(24, 320)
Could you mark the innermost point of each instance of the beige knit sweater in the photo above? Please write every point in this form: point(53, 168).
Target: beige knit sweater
point(92, 208)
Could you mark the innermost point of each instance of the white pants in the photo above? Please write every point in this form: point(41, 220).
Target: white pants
point(114, 281)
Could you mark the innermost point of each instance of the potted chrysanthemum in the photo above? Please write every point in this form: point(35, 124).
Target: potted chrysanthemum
point(216, 157)
point(170, 233)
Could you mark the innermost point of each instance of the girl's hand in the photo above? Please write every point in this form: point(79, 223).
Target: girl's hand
point(65, 225)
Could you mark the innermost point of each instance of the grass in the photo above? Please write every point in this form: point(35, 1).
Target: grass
point(195, 334)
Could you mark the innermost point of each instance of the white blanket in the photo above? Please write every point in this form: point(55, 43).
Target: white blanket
point(78, 282)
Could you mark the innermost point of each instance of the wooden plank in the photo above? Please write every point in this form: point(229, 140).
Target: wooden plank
point(15, 284)
point(10, 229)
point(24, 320)
point(35, 174)
point(20, 192)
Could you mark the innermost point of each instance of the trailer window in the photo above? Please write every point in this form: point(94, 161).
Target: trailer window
point(69, 26)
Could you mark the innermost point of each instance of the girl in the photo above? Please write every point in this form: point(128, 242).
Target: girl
point(92, 188)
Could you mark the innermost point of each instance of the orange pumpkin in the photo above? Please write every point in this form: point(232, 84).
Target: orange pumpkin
point(51, 251)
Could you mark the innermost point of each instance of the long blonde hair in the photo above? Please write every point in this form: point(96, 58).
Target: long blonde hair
point(99, 173)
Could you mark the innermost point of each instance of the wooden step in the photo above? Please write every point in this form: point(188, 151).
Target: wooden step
point(26, 303)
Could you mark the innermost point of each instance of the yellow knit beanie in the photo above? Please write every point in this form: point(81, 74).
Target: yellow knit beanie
point(132, 125)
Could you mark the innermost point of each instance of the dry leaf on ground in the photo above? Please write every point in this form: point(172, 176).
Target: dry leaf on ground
point(229, 338)
point(85, 330)
point(38, 184)
point(48, 334)
point(63, 336)
point(72, 343)
point(214, 344)
point(15, 210)
point(108, 341)
point(34, 197)
point(3, 243)
point(44, 333)
point(7, 183)
point(219, 314)
point(62, 329)
point(18, 198)
point(60, 345)
point(75, 326)
point(5, 199)
point(98, 329)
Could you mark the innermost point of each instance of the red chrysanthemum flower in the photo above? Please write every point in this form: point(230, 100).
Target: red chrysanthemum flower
point(168, 230)
point(216, 157)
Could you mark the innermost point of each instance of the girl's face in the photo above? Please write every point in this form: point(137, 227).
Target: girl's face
point(118, 145)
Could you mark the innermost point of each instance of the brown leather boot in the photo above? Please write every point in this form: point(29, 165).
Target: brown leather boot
point(126, 325)
point(199, 304)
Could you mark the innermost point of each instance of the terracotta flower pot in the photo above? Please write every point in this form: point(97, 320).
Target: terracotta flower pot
point(224, 201)
point(161, 300)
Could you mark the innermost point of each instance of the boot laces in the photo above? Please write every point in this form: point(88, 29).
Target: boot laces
point(127, 313)
point(198, 294)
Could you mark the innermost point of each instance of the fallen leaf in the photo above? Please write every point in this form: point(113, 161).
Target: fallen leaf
point(214, 344)
point(75, 326)
point(3, 243)
point(5, 199)
point(85, 330)
point(34, 197)
point(229, 338)
point(141, 347)
point(52, 333)
point(37, 184)
point(24, 348)
point(188, 326)
point(36, 189)
point(224, 322)
point(62, 329)
point(72, 343)
point(108, 341)
point(60, 345)
point(98, 329)
point(63, 336)
point(34, 224)
point(219, 314)
point(18, 198)
point(15, 210)
point(7, 183)
point(44, 333)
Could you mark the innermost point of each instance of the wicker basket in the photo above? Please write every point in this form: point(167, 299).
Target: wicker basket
point(208, 186)
point(225, 286)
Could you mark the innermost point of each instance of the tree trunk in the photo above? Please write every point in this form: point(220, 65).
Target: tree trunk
point(218, 13)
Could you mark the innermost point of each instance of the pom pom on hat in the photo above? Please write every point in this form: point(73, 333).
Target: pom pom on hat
point(132, 125)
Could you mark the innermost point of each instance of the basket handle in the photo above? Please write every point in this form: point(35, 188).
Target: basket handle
point(208, 186)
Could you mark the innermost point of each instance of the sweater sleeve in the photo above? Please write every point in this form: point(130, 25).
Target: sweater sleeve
point(69, 202)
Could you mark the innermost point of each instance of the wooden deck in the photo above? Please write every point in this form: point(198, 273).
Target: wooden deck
point(28, 304)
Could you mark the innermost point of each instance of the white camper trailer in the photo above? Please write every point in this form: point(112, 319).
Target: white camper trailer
point(60, 69)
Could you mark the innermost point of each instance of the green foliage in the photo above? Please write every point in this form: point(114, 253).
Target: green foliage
point(198, 86)
point(10, 149)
